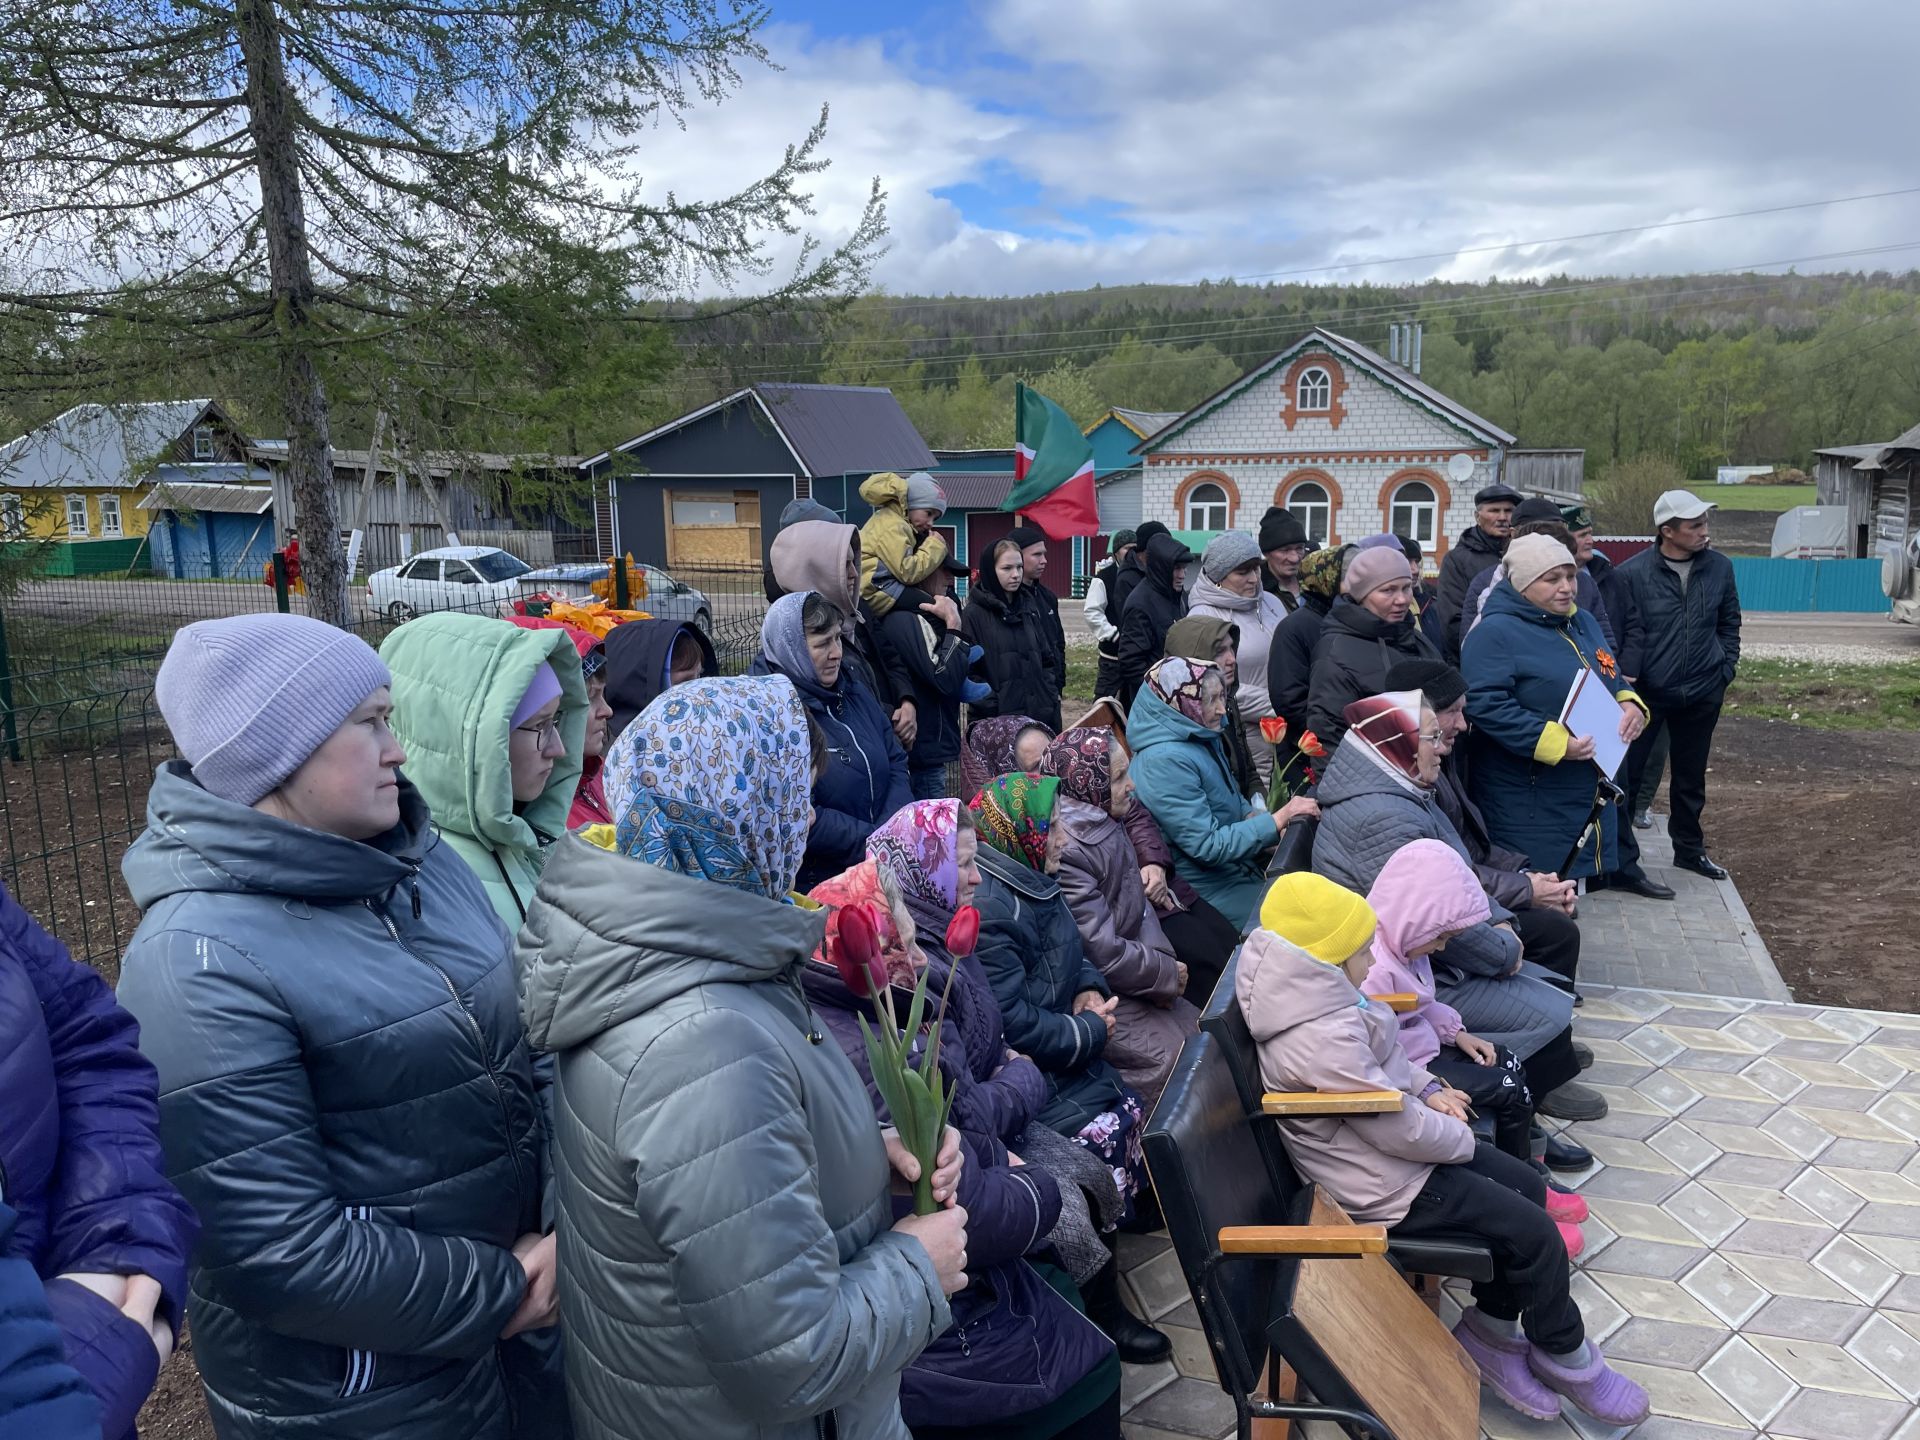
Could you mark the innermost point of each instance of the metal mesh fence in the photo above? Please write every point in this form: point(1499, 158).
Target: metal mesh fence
point(80, 735)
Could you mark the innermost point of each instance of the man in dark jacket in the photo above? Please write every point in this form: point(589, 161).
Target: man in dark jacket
point(936, 661)
point(1130, 576)
point(1283, 540)
point(1102, 608)
point(1687, 650)
point(81, 1163)
point(1369, 628)
point(1586, 589)
point(1032, 541)
point(1151, 608)
point(1479, 547)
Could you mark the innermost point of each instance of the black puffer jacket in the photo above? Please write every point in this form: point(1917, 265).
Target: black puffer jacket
point(347, 1100)
point(1621, 622)
point(1152, 606)
point(1355, 651)
point(1290, 661)
point(1472, 553)
point(1688, 645)
point(935, 661)
point(1013, 633)
point(1047, 605)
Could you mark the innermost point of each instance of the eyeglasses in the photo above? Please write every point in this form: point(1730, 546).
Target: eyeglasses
point(547, 732)
point(1432, 737)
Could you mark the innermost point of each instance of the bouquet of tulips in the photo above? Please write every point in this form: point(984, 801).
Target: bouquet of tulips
point(1281, 788)
point(918, 1097)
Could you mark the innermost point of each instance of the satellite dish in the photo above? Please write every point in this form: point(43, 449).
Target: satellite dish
point(1459, 465)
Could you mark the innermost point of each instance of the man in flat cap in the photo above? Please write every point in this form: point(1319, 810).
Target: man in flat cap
point(1479, 548)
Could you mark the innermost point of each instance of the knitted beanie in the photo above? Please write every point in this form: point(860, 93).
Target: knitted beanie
point(1531, 556)
point(1121, 539)
point(249, 698)
point(545, 687)
point(1437, 680)
point(1226, 553)
point(924, 493)
point(1027, 535)
point(1279, 528)
point(1326, 920)
point(1368, 570)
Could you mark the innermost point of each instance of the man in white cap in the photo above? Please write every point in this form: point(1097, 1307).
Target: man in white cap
point(1681, 663)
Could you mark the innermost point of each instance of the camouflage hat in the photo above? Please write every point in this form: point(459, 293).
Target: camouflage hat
point(1320, 571)
point(1576, 517)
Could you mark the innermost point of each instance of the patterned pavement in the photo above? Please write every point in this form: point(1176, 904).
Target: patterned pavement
point(1754, 1253)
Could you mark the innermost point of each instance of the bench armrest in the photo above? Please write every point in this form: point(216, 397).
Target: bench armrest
point(1303, 1240)
point(1329, 1102)
point(1400, 1001)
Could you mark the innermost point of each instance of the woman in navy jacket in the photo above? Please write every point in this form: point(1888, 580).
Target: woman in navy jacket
point(80, 1156)
point(865, 780)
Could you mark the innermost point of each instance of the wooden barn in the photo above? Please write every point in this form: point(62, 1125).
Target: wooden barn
point(1880, 486)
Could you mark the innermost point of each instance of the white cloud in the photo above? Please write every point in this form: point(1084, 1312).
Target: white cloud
point(1244, 139)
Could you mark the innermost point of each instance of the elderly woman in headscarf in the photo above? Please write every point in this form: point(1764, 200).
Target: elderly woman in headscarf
point(721, 1176)
point(864, 779)
point(1057, 1007)
point(1099, 874)
point(1183, 775)
point(1207, 637)
point(1016, 1347)
point(1002, 745)
point(824, 555)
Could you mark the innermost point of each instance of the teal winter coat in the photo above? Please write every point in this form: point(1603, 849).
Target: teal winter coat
point(1519, 663)
point(1183, 776)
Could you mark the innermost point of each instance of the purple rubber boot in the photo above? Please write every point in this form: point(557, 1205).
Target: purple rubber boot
point(1596, 1387)
point(1504, 1369)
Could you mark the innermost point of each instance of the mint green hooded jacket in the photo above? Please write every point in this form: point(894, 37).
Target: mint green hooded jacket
point(457, 680)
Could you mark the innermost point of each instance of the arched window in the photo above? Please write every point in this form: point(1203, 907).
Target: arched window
point(1315, 389)
point(1207, 508)
point(1415, 512)
point(1313, 508)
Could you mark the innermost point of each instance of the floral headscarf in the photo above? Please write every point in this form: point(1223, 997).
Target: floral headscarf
point(1014, 814)
point(1182, 683)
point(920, 845)
point(1320, 572)
point(992, 748)
point(713, 780)
point(861, 886)
point(1082, 758)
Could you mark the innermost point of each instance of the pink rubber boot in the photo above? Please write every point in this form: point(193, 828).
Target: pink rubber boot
point(1567, 1206)
point(1505, 1369)
point(1574, 1240)
point(1596, 1387)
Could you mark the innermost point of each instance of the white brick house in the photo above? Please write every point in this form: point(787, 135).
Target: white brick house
point(1349, 441)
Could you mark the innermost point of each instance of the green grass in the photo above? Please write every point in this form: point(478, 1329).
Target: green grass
point(1773, 498)
point(1829, 697)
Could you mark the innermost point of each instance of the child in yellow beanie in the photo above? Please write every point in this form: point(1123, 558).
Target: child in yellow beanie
point(1418, 1170)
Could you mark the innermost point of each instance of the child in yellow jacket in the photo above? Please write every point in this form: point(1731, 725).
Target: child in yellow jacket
point(898, 546)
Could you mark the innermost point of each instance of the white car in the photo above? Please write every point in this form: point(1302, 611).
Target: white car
point(476, 578)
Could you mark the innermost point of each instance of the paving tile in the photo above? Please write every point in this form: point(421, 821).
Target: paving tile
point(1756, 1033)
point(1679, 1395)
point(1820, 1366)
point(1891, 1351)
point(1661, 1342)
point(1634, 1221)
point(1697, 1037)
point(1652, 1299)
point(1717, 1086)
point(1718, 1110)
point(1825, 1197)
point(1653, 1043)
point(1854, 1024)
point(1810, 1050)
point(1772, 1171)
point(1661, 1427)
point(1904, 1296)
point(1748, 1380)
point(1869, 1155)
point(1187, 1407)
point(1897, 1251)
point(1878, 1219)
point(1689, 1151)
point(1838, 1097)
point(1644, 1003)
point(1159, 1285)
point(1875, 1185)
point(1845, 1124)
point(1830, 1415)
point(1775, 1079)
point(1703, 1212)
point(1778, 1276)
point(1629, 1100)
point(1633, 1154)
point(1503, 1424)
point(1623, 1125)
point(1601, 1313)
point(1192, 1356)
point(1825, 1072)
point(1726, 1291)
point(1616, 1182)
point(1757, 1202)
point(1901, 1114)
point(1801, 1135)
point(1740, 1140)
point(1773, 1237)
point(1793, 1318)
point(1137, 1382)
point(1644, 1257)
point(1862, 1272)
point(1874, 1066)
point(1132, 1250)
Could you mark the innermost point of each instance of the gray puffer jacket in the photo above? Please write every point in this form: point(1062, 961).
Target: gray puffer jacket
point(1366, 815)
point(347, 1101)
point(727, 1266)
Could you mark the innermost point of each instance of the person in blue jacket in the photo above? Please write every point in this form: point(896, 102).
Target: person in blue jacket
point(80, 1160)
point(1535, 782)
point(40, 1393)
point(865, 780)
point(1183, 776)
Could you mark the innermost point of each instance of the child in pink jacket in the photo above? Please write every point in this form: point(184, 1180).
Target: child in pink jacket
point(1423, 897)
point(1418, 1170)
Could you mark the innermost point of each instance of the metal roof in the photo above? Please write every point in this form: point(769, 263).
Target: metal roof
point(1851, 452)
point(1368, 359)
point(845, 429)
point(1132, 472)
point(96, 445)
point(1908, 441)
point(976, 489)
point(220, 496)
point(1142, 422)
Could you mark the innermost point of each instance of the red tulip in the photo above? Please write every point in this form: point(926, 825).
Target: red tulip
point(1310, 745)
point(1273, 729)
point(963, 931)
point(857, 955)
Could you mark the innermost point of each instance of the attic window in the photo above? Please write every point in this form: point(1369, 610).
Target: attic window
point(1314, 390)
point(203, 442)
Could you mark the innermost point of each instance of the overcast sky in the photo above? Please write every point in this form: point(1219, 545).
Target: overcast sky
point(1051, 144)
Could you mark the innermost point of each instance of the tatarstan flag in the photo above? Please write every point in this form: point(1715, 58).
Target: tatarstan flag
point(1052, 469)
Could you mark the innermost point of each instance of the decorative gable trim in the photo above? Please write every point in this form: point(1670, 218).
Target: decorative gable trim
point(1336, 411)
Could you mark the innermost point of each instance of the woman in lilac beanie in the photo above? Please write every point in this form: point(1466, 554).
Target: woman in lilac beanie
point(346, 1095)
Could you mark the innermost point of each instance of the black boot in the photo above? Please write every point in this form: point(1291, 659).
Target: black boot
point(1138, 1342)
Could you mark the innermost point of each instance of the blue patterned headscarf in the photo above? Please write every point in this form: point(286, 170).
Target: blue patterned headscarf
point(714, 780)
